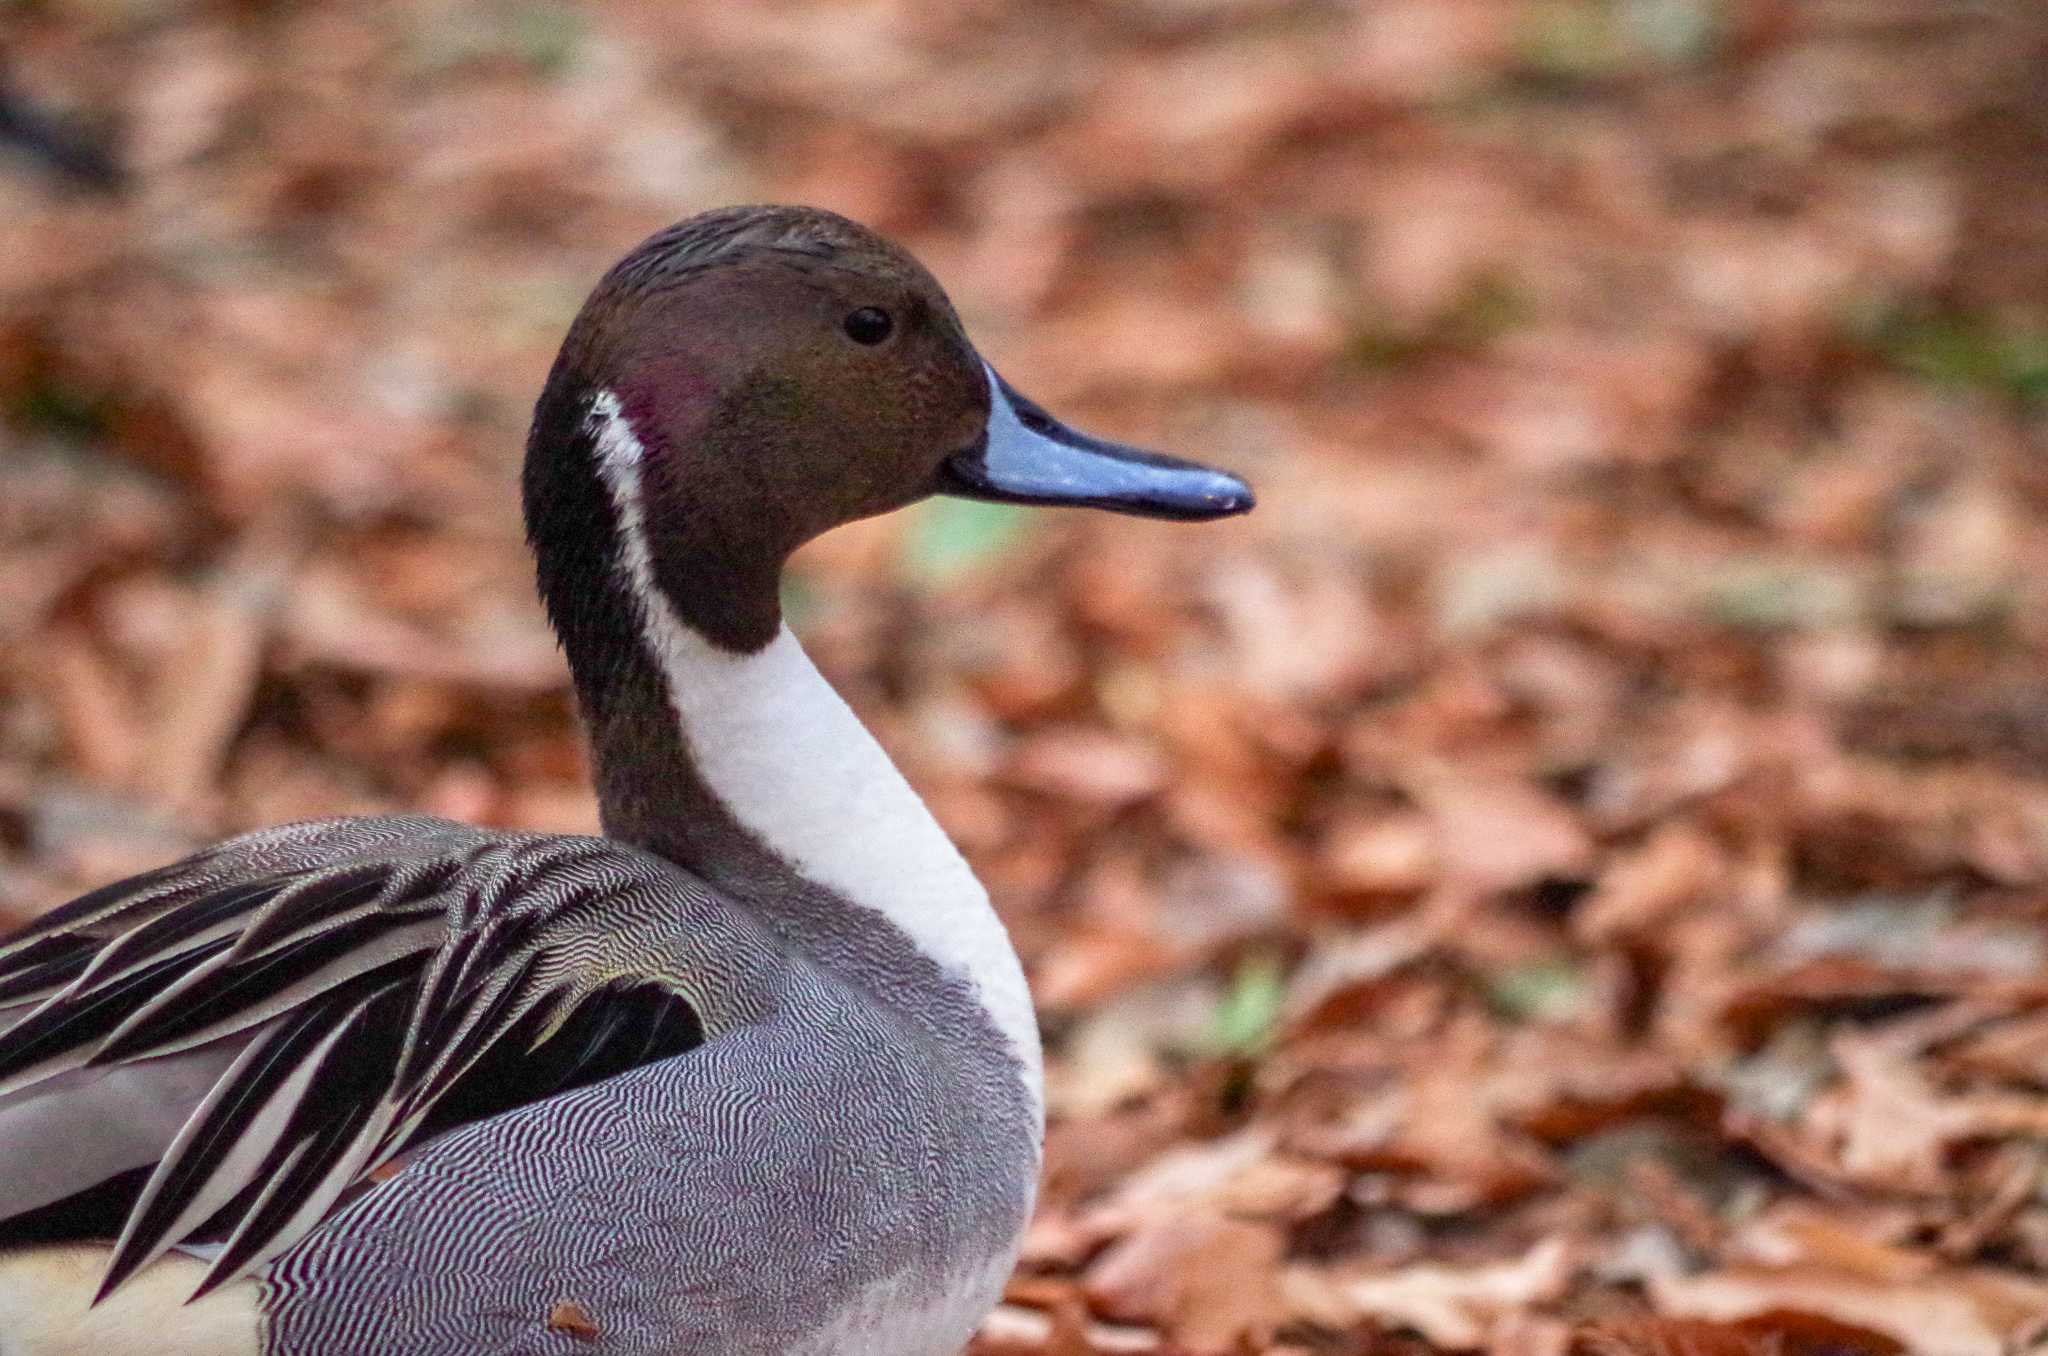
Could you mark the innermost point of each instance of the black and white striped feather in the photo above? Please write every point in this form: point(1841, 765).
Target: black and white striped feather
point(368, 983)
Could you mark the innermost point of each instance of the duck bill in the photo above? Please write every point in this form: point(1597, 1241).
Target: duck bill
point(1029, 457)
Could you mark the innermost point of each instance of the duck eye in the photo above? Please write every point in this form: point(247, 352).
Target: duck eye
point(868, 325)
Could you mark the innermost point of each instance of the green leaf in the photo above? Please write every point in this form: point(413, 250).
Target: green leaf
point(1680, 32)
point(1771, 593)
point(800, 601)
point(1571, 39)
point(546, 36)
point(1971, 351)
point(1540, 991)
point(1249, 1014)
point(951, 537)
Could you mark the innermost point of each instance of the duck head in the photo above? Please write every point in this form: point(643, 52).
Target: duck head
point(764, 374)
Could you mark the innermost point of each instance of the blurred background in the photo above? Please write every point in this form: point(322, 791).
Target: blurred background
point(1569, 873)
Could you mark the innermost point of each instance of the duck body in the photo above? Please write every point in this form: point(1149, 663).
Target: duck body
point(756, 1071)
point(838, 1174)
point(837, 1177)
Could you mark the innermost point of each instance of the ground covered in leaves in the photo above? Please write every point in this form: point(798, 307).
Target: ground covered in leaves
point(1569, 873)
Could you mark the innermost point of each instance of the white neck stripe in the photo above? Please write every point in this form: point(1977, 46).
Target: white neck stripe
point(794, 765)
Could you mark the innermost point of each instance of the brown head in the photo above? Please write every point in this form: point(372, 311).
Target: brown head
point(763, 374)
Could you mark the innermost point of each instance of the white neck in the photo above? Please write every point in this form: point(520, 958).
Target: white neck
point(794, 765)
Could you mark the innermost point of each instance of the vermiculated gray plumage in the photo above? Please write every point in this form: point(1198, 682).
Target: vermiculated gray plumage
point(817, 1155)
point(805, 1110)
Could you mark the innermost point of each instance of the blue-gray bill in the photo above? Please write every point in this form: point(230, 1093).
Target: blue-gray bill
point(1029, 457)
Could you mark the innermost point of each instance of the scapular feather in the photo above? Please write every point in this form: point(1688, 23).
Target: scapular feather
point(393, 988)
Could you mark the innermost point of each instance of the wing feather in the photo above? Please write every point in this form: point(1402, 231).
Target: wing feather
point(218, 999)
point(228, 1140)
point(203, 919)
point(96, 908)
point(377, 983)
point(52, 1037)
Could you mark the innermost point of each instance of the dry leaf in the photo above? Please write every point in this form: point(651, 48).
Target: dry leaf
point(1212, 1281)
point(1672, 1337)
point(1952, 1314)
point(1621, 723)
point(1090, 766)
point(1496, 834)
point(1454, 1307)
point(1677, 866)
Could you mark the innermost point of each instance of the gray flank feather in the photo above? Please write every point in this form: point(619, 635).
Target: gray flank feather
point(355, 974)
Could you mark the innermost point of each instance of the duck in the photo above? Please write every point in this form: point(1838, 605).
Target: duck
point(754, 1069)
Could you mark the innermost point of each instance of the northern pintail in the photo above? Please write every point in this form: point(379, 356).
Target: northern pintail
point(754, 1072)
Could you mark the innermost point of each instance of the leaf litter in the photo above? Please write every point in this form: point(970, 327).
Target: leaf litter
point(1568, 874)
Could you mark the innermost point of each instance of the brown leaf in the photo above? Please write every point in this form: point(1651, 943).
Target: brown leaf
point(1455, 1307)
point(1497, 834)
point(1840, 1240)
point(572, 1318)
point(1211, 1280)
point(1951, 1314)
point(1677, 865)
point(1091, 766)
point(1672, 1337)
point(202, 695)
point(1890, 1126)
point(1380, 854)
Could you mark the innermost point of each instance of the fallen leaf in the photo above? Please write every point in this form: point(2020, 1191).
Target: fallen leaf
point(1672, 1337)
point(1454, 1307)
point(1212, 1280)
point(1677, 865)
point(1951, 1314)
point(1089, 766)
point(575, 1320)
point(1497, 834)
